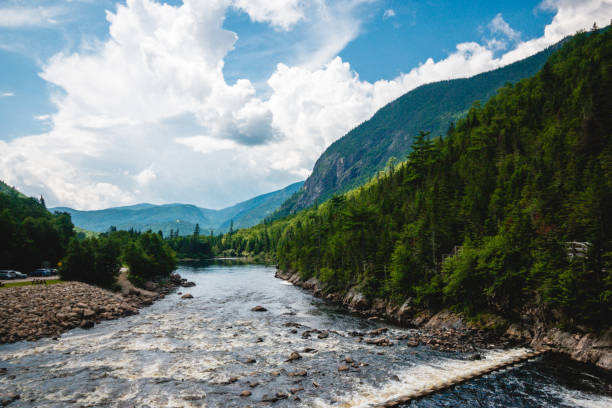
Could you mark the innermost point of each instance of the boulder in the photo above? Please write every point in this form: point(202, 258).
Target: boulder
point(187, 296)
point(259, 309)
point(294, 356)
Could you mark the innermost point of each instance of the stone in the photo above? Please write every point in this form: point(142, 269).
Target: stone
point(86, 324)
point(259, 309)
point(245, 393)
point(343, 368)
point(294, 356)
point(187, 296)
point(298, 373)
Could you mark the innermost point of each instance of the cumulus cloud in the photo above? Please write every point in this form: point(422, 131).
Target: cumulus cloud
point(145, 176)
point(499, 25)
point(19, 16)
point(148, 116)
point(6, 94)
point(280, 13)
point(388, 14)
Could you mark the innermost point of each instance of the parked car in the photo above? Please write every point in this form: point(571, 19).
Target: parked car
point(41, 272)
point(6, 274)
point(19, 275)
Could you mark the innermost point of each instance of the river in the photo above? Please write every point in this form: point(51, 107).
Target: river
point(205, 351)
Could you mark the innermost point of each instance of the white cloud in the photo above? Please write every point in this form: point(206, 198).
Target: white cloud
point(280, 13)
point(155, 92)
point(499, 25)
point(6, 94)
point(388, 14)
point(206, 144)
point(17, 16)
point(146, 176)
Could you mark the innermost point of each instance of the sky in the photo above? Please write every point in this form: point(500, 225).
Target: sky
point(211, 102)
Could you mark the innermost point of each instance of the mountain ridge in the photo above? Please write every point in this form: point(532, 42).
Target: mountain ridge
point(181, 217)
point(356, 157)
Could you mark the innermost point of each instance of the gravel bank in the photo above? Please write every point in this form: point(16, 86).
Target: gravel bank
point(37, 311)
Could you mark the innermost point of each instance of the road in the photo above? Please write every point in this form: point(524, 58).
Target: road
point(29, 279)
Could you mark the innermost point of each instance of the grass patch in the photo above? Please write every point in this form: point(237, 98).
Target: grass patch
point(14, 284)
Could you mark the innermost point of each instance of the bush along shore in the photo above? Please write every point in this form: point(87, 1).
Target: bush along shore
point(38, 311)
point(453, 332)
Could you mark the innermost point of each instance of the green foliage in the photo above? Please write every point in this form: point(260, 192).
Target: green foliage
point(480, 221)
point(92, 260)
point(30, 236)
point(149, 256)
point(364, 151)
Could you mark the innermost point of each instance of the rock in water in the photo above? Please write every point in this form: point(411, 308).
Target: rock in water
point(259, 309)
point(294, 356)
point(245, 393)
point(187, 296)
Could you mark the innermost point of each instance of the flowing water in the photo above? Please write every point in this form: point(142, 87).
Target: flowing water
point(184, 353)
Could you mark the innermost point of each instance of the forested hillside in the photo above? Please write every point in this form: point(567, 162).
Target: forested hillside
point(29, 234)
point(511, 209)
point(355, 158)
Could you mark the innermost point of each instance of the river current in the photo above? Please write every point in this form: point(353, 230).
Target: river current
point(205, 351)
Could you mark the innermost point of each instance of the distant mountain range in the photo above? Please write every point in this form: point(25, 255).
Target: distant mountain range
point(365, 150)
point(182, 217)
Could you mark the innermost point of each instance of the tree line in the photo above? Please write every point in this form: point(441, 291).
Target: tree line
point(486, 219)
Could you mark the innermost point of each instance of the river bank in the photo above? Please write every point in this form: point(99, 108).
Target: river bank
point(38, 311)
point(446, 331)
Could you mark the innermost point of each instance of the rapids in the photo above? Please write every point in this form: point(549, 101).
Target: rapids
point(203, 352)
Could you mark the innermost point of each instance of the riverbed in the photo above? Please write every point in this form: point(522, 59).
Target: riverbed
point(206, 351)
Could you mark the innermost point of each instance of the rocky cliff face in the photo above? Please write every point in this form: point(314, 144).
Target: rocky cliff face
point(452, 328)
point(365, 150)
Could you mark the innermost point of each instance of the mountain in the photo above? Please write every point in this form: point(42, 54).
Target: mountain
point(181, 217)
point(356, 157)
point(509, 214)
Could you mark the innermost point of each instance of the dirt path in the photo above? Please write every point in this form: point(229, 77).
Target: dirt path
point(127, 286)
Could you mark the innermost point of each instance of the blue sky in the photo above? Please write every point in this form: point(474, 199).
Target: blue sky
point(211, 102)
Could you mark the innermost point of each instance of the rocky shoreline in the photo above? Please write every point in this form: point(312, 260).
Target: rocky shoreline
point(38, 311)
point(446, 331)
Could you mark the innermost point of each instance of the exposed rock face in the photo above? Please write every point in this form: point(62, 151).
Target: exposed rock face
point(586, 348)
point(448, 331)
